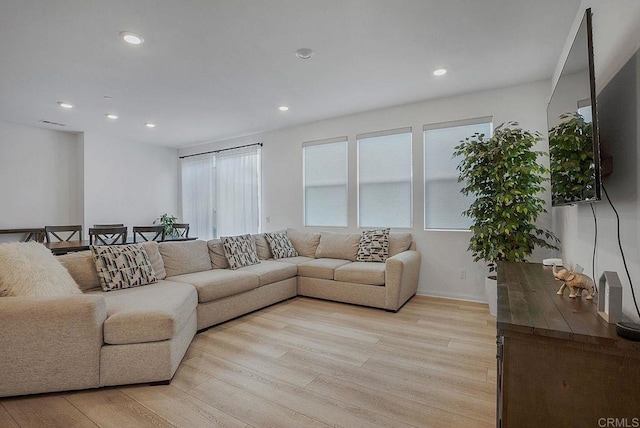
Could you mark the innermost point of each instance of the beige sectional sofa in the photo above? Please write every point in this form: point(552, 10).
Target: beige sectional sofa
point(140, 334)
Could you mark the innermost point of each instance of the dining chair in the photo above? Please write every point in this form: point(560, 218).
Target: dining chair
point(148, 233)
point(102, 226)
point(29, 234)
point(107, 235)
point(181, 230)
point(52, 233)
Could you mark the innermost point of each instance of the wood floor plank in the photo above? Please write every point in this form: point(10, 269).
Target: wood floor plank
point(317, 406)
point(110, 407)
point(253, 409)
point(51, 410)
point(6, 421)
point(180, 408)
point(399, 408)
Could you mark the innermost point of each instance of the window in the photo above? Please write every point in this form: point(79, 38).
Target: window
point(384, 179)
point(325, 182)
point(443, 201)
point(221, 192)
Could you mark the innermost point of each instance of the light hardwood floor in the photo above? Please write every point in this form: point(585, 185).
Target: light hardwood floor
point(306, 363)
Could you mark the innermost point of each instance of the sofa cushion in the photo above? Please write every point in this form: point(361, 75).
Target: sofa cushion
point(153, 252)
point(305, 243)
point(240, 251)
point(269, 271)
point(281, 245)
point(218, 283)
point(29, 269)
point(185, 257)
point(361, 273)
point(216, 254)
point(262, 246)
point(374, 245)
point(320, 268)
point(82, 267)
point(122, 266)
point(338, 246)
point(296, 260)
point(399, 242)
point(148, 314)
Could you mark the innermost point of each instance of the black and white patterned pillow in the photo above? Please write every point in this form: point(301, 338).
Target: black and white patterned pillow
point(122, 266)
point(280, 245)
point(374, 246)
point(240, 251)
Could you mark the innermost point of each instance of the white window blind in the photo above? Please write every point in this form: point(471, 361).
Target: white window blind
point(384, 179)
point(221, 192)
point(325, 182)
point(444, 203)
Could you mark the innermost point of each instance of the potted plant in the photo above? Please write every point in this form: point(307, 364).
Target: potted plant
point(503, 175)
point(167, 221)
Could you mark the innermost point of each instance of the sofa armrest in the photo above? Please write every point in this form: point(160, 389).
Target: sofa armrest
point(50, 343)
point(401, 278)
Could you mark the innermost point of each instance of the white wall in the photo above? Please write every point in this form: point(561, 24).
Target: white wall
point(127, 182)
point(52, 178)
point(443, 253)
point(616, 33)
point(39, 177)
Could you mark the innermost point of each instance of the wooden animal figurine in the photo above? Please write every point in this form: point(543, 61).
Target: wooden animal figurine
point(575, 281)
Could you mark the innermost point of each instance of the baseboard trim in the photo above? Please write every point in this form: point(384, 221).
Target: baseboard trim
point(461, 297)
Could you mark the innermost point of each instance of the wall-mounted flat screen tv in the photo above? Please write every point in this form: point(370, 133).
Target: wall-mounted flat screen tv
point(574, 147)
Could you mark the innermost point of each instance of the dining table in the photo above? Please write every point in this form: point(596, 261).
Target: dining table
point(63, 247)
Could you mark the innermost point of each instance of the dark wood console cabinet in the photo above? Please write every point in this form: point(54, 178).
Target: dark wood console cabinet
point(559, 363)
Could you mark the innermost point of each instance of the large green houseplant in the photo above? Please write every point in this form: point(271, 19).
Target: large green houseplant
point(503, 175)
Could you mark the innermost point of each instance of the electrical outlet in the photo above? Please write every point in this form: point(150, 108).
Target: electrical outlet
point(267, 219)
point(463, 274)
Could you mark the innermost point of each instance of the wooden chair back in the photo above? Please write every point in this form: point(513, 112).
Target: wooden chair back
point(53, 233)
point(148, 233)
point(107, 235)
point(29, 234)
point(181, 230)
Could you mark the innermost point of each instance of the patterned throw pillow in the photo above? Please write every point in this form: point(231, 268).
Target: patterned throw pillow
point(281, 245)
point(122, 266)
point(374, 245)
point(240, 251)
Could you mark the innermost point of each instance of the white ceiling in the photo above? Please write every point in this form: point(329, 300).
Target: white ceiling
point(213, 69)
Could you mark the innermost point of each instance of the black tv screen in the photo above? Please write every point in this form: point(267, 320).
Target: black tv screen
point(574, 147)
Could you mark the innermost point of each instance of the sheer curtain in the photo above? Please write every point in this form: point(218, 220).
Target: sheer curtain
point(238, 191)
point(199, 195)
point(221, 193)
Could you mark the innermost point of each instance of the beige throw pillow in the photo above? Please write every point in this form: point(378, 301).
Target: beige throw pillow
point(216, 254)
point(399, 242)
point(338, 246)
point(305, 243)
point(29, 269)
point(185, 257)
point(82, 267)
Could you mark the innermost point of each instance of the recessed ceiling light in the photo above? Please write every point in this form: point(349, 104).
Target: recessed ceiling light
point(150, 125)
point(283, 108)
point(304, 53)
point(131, 38)
point(440, 72)
point(107, 97)
point(111, 116)
point(64, 104)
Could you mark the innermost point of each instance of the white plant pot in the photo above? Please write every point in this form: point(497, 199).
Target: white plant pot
point(491, 288)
